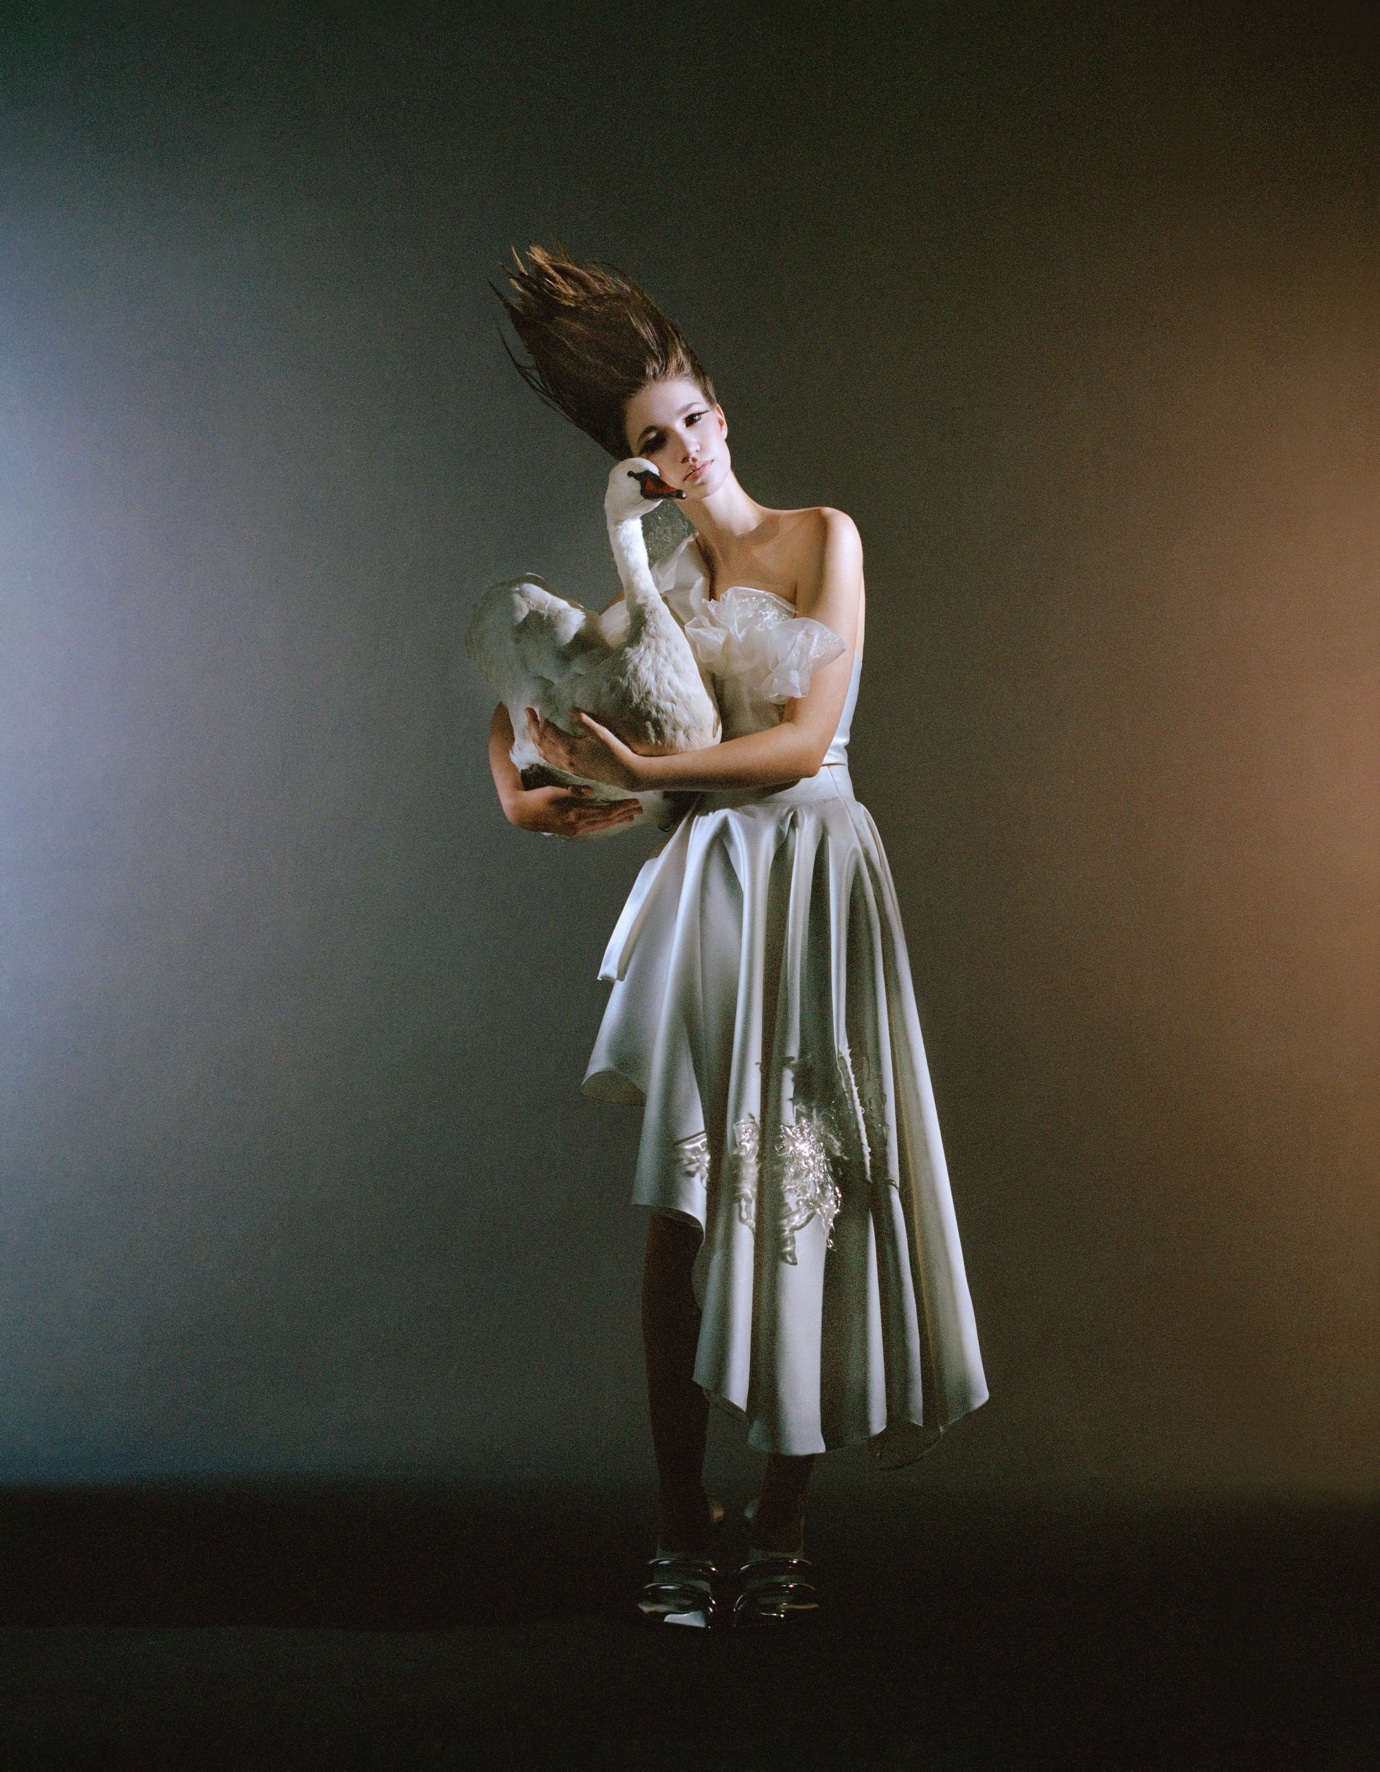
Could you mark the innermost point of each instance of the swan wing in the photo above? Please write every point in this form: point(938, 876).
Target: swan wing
point(522, 635)
point(536, 649)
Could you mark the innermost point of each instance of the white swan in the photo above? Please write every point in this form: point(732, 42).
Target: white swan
point(631, 669)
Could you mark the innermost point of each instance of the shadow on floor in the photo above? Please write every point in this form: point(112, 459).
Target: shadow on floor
point(394, 1628)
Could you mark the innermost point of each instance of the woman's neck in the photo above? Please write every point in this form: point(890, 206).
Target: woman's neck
point(724, 520)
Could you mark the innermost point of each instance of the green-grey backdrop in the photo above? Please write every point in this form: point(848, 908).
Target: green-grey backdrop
point(1075, 309)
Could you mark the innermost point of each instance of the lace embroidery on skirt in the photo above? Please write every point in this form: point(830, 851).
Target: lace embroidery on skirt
point(743, 1161)
point(804, 1154)
point(798, 1173)
point(692, 1157)
point(812, 1158)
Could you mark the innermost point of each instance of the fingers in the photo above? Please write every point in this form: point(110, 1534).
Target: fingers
point(570, 812)
point(574, 799)
point(600, 808)
point(585, 822)
point(556, 746)
point(590, 751)
point(540, 735)
point(586, 816)
point(581, 824)
point(545, 737)
point(590, 724)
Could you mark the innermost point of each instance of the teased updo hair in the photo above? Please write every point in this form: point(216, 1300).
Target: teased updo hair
point(595, 340)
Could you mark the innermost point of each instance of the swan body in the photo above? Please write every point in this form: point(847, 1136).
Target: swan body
point(631, 669)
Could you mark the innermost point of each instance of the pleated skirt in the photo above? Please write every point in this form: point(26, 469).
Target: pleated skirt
point(763, 1015)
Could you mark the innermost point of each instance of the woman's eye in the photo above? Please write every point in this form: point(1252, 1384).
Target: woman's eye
point(694, 418)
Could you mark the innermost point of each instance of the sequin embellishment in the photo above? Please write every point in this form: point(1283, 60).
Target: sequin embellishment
point(797, 1175)
point(801, 1164)
point(744, 1162)
point(692, 1158)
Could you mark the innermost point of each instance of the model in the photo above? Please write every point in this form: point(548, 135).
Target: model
point(803, 1266)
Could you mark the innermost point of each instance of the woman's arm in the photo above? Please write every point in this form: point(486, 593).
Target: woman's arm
point(560, 812)
point(830, 592)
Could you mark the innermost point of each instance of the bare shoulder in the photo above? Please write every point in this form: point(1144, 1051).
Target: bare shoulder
point(819, 518)
point(840, 531)
point(824, 523)
point(825, 540)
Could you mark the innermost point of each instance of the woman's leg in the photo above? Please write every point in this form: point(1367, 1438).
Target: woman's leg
point(680, 1413)
point(779, 1523)
point(776, 1591)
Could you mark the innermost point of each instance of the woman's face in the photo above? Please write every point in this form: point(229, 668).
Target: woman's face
point(672, 424)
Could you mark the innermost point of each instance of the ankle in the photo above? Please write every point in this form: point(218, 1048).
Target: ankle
point(783, 1533)
point(684, 1523)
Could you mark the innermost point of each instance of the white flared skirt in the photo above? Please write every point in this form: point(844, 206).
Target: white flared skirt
point(762, 1012)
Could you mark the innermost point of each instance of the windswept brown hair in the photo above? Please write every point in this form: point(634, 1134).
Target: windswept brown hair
point(595, 340)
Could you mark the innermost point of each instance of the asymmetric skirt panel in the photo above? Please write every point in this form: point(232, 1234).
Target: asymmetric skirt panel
point(762, 1011)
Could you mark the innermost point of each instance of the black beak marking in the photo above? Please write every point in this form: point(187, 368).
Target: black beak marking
point(653, 486)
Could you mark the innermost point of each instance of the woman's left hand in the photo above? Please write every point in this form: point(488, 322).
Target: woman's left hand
point(594, 753)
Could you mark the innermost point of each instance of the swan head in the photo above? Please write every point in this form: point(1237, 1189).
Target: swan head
point(635, 488)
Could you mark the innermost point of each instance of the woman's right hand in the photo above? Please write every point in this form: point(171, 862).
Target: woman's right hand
point(567, 812)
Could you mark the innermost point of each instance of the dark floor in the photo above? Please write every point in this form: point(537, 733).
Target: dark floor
point(392, 1629)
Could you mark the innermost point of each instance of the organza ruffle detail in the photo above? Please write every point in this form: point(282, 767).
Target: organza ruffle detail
point(757, 650)
point(754, 636)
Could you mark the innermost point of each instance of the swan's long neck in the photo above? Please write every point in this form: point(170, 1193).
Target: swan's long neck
point(630, 556)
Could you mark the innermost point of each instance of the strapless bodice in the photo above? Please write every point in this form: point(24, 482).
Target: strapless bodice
point(838, 749)
point(753, 648)
point(759, 654)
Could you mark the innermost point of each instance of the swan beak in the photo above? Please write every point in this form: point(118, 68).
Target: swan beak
point(653, 486)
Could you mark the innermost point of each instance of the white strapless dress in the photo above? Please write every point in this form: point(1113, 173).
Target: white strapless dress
point(762, 1013)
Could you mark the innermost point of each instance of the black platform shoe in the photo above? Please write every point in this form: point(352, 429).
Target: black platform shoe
point(776, 1590)
point(680, 1589)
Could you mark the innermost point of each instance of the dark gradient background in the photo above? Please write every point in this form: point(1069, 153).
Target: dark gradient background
point(1077, 311)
